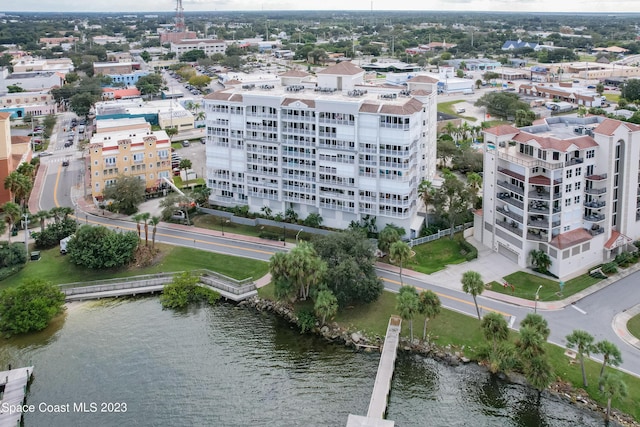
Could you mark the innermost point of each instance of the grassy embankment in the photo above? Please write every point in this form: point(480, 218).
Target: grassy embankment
point(57, 269)
point(634, 326)
point(526, 285)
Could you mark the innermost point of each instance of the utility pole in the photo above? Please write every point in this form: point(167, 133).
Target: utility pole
point(535, 307)
point(26, 233)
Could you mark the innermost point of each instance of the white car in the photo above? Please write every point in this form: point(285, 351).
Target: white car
point(460, 110)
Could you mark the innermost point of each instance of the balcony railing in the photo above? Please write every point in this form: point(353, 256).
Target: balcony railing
point(509, 186)
point(598, 177)
point(511, 227)
point(594, 218)
point(595, 231)
point(510, 214)
point(511, 201)
point(595, 190)
point(541, 237)
point(542, 195)
point(574, 161)
point(595, 204)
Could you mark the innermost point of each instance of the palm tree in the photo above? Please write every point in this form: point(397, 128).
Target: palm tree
point(540, 260)
point(474, 182)
point(408, 305)
point(472, 284)
point(10, 214)
point(537, 323)
point(495, 328)
point(539, 374)
point(137, 218)
point(612, 386)
point(19, 185)
point(429, 306)
point(26, 169)
point(426, 192)
point(450, 129)
point(400, 252)
point(583, 342)
point(42, 216)
point(185, 164)
point(326, 304)
point(154, 221)
point(610, 355)
point(530, 344)
point(145, 217)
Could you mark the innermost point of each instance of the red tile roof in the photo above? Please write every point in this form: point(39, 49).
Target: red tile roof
point(422, 79)
point(502, 130)
point(294, 73)
point(345, 68)
point(609, 126)
point(571, 238)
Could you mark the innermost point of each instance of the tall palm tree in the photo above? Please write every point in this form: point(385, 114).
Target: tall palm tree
point(400, 252)
point(612, 387)
point(185, 164)
point(10, 214)
point(26, 169)
point(407, 304)
point(42, 216)
point(145, 217)
point(429, 306)
point(427, 192)
point(137, 218)
point(610, 355)
point(538, 323)
point(326, 304)
point(539, 373)
point(19, 185)
point(472, 284)
point(154, 221)
point(583, 343)
point(495, 328)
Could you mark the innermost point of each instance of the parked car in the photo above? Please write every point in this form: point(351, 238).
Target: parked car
point(460, 110)
point(203, 140)
point(65, 163)
point(44, 154)
point(68, 144)
point(185, 143)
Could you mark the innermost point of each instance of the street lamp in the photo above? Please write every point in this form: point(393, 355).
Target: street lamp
point(284, 235)
point(222, 221)
point(297, 234)
point(26, 233)
point(535, 308)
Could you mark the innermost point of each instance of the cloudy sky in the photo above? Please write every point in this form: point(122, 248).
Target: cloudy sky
point(607, 6)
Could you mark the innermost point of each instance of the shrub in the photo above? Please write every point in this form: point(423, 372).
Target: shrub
point(99, 247)
point(55, 232)
point(184, 290)
point(610, 268)
point(306, 320)
point(623, 259)
point(269, 235)
point(29, 306)
point(467, 249)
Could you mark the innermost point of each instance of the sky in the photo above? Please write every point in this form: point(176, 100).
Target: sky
point(150, 6)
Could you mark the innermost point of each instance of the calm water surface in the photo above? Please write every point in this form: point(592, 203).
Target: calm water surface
point(229, 366)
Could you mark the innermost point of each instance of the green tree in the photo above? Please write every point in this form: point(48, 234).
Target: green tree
point(19, 185)
point(138, 218)
point(539, 373)
point(478, 83)
point(540, 260)
point(631, 90)
point(184, 290)
point(29, 306)
point(495, 328)
point(408, 304)
point(192, 55)
point(151, 84)
point(445, 151)
point(537, 323)
point(14, 89)
point(429, 306)
point(313, 220)
point(127, 193)
point(42, 216)
point(326, 304)
point(600, 89)
point(610, 356)
point(82, 102)
point(387, 237)
point(185, 165)
point(427, 192)
point(502, 104)
point(201, 195)
point(98, 247)
point(452, 200)
point(530, 344)
point(10, 215)
point(154, 221)
point(145, 218)
point(400, 252)
point(613, 387)
point(582, 341)
point(171, 131)
point(200, 81)
point(525, 118)
point(297, 271)
point(472, 284)
point(350, 258)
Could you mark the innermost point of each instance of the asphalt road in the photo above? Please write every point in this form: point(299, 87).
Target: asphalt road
point(593, 313)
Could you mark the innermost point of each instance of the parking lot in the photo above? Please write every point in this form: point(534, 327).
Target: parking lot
point(195, 153)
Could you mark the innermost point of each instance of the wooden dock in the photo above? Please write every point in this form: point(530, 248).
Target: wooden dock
point(13, 386)
point(382, 386)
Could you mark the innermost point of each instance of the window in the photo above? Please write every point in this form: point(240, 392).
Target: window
point(569, 173)
point(110, 161)
point(163, 154)
point(567, 202)
point(591, 154)
point(578, 171)
point(138, 157)
point(567, 188)
point(566, 228)
point(578, 185)
point(576, 200)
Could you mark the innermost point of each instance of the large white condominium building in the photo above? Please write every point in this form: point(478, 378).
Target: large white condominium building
point(330, 145)
point(566, 186)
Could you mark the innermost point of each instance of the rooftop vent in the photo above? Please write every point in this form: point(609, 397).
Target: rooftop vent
point(295, 88)
point(356, 92)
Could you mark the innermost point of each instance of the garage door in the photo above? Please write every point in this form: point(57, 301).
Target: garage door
point(508, 253)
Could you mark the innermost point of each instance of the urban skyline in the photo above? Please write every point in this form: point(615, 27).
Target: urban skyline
point(150, 6)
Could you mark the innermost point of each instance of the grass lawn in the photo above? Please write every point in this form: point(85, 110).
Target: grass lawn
point(213, 222)
point(634, 326)
point(58, 269)
point(192, 182)
point(453, 329)
point(433, 256)
point(448, 107)
point(612, 97)
point(526, 285)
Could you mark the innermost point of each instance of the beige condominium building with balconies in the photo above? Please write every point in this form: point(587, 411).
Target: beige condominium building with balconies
point(567, 186)
point(138, 152)
point(330, 145)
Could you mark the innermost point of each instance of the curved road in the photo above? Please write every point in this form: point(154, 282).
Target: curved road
point(593, 313)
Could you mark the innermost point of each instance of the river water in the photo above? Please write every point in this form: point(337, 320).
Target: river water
point(230, 366)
